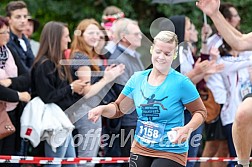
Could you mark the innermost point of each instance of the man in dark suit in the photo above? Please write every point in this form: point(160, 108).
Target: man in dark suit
point(128, 37)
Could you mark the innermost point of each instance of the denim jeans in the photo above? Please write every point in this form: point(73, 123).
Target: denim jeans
point(111, 147)
point(66, 150)
point(89, 137)
point(194, 141)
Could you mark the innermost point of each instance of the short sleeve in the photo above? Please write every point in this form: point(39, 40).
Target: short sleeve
point(188, 91)
point(128, 89)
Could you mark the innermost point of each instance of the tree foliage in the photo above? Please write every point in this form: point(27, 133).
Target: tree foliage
point(144, 11)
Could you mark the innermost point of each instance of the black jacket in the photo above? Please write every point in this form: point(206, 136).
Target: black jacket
point(8, 95)
point(26, 57)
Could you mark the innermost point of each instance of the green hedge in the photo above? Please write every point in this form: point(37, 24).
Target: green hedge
point(144, 11)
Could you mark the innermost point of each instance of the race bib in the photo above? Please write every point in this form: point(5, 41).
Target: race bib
point(246, 88)
point(150, 132)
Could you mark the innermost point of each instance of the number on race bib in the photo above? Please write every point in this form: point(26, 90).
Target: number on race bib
point(149, 132)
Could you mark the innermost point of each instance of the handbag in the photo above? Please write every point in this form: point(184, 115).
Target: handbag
point(6, 126)
point(213, 108)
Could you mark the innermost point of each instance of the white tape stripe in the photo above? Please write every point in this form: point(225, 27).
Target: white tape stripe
point(49, 162)
point(109, 159)
point(96, 160)
point(82, 162)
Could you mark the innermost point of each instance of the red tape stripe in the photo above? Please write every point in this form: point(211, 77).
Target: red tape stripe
point(95, 160)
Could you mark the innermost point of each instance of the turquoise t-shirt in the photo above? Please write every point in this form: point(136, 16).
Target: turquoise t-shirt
point(160, 108)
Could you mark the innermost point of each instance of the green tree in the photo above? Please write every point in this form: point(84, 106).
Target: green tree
point(144, 11)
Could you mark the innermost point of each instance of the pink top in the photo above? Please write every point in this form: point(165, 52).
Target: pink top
point(9, 71)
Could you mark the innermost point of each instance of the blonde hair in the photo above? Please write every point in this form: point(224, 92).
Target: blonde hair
point(167, 37)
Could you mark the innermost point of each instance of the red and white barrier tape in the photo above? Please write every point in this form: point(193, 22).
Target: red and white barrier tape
point(95, 160)
point(213, 159)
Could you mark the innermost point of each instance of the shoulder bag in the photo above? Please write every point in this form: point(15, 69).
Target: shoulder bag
point(6, 126)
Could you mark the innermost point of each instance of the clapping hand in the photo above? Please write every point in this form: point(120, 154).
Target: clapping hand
point(201, 66)
point(113, 71)
point(214, 68)
point(24, 96)
point(78, 86)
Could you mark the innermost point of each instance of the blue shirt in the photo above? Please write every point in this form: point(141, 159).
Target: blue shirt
point(160, 108)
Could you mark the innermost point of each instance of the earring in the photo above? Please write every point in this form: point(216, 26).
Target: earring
point(176, 54)
point(151, 49)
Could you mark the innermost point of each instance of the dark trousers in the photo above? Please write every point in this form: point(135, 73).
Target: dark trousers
point(195, 139)
point(144, 161)
point(231, 148)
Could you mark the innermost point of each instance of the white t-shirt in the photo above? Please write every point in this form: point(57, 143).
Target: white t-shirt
point(186, 60)
point(235, 73)
point(215, 81)
point(22, 43)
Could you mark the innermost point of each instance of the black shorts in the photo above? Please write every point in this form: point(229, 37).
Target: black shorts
point(246, 96)
point(214, 131)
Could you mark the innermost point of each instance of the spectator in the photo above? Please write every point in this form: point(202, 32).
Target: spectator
point(216, 143)
point(14, 90)
point(110, 15)
point(87, 36)
point(52, 82)
point(17, 13)
point(128, 35)
point(31, 27)
point(240, 42)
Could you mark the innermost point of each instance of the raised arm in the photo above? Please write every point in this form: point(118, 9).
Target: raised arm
point(234, 38)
